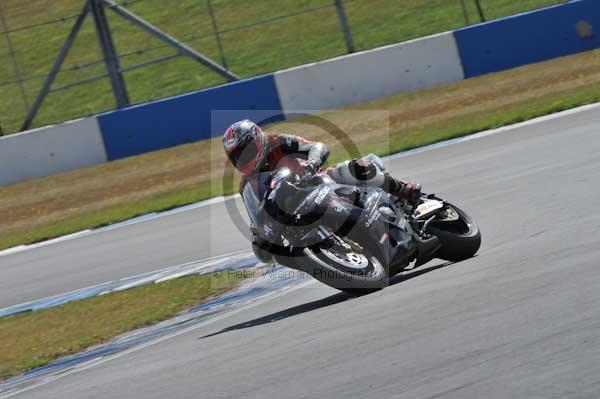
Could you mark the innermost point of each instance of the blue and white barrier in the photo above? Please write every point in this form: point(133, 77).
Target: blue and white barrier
point(185, 118)
point(530, 37)
point(52, 149)
point(353, 79)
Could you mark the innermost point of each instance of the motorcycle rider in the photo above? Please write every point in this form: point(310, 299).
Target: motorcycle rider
point(251, 151)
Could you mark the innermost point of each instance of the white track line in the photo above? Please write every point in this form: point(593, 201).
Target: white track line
point(217, 200)
point(156, 276)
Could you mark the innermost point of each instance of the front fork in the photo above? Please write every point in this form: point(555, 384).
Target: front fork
point(427, 244)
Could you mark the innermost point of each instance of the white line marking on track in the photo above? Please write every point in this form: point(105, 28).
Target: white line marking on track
point(156, 276)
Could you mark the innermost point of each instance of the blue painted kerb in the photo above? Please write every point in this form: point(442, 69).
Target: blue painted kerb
point(529, 37)
point(187, 118)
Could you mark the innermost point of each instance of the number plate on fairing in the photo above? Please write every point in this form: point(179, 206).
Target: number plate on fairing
point(428, 207)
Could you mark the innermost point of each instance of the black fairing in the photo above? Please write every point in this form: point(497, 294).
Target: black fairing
point(391, 237)
point(292, 217)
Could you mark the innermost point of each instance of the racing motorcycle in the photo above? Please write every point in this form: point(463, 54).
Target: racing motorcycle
point(353, 238)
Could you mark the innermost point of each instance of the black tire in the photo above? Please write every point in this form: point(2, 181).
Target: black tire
point(329, 272)
point(316, 261)
point(459, 240)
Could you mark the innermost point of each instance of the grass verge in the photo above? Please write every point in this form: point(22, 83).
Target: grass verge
point(61, 204)
point(35, 339)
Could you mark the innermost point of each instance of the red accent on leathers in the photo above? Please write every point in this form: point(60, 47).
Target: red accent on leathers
point(290, 151)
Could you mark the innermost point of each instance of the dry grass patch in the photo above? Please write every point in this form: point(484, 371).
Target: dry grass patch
point(35, 339)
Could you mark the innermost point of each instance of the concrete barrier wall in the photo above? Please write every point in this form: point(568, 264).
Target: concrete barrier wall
point(372, 74)
point(531, 37)
point(53, 149)
point(186, 118)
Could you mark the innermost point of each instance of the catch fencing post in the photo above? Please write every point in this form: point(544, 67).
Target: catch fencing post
point(465, 13)
point(110, 54)
point(180, 47)
point(55, 68)
point(341, 12)
point(480, 11)
point(216, 32)
point(11, 52)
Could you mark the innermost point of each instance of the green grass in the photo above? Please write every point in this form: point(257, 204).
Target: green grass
point(35, 339)
point(267, 47)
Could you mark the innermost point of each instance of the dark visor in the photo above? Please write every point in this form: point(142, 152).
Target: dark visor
point(241, 157)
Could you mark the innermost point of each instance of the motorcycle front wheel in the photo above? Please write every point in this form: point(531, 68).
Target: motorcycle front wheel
point(460, 239)
point(344, 266)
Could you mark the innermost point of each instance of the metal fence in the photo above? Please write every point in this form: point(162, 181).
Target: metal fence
point(114, 58)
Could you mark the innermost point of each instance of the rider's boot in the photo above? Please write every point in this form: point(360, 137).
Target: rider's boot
point(369, 171)
point(401, 189)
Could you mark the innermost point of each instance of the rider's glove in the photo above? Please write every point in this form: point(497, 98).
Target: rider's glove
point(312, 167)
point(410, 192)
point(307, 171)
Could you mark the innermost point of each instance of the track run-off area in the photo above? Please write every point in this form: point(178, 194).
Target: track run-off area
point(521, 319)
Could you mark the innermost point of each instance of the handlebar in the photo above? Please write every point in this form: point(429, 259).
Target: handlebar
point(284, 174)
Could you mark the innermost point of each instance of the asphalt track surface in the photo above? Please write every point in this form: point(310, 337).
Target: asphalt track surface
point(522, 319)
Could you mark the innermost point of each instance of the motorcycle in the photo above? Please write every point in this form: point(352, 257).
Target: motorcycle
point(353, 238)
